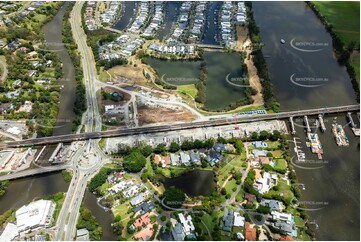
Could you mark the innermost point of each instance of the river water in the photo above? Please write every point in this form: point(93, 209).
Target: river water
point(53, 38)
point(317, 79)
point(305, 74)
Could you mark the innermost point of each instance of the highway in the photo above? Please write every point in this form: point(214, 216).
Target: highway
point(69, 214)
point(175, 127)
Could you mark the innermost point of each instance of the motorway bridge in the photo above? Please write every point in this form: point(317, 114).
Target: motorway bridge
point(174, 127)
point(33, 172)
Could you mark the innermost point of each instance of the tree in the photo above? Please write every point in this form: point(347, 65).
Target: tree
point(159, 149)
point(198, 144)
point(263, 135)
point(146, 150)
point(187, 145)
point(173, 147)
point(209, 143)
point(275, 135)
point(174, 197)
point(135, 161)
point(254, 136)
point(239, 146)
point(263, 209)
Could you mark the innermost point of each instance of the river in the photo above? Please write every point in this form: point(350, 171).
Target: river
point(53, 38)
point(305, 74)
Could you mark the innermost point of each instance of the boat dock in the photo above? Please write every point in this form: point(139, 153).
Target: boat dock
point(293, 131)
point(308, 128)
point(300, 154)
point(353, 125)
point(320, 120)
point(340, 136)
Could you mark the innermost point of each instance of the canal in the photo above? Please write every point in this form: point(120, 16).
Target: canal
point(210, 35)
point(305, 74)
point(170, 17)
point(129, 10)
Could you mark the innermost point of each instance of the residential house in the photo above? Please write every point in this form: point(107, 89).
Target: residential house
point(144, 207)
point(174, 158)
point(266, 182)
point(238, 220)
point(250, 198)
point(219, 147)
point(138, 199)
point(227, 220)
point(258, 153)
point(195, 157)
point(131, 192)
point(177, 232)
point(120, 186)
point(145, 234)
point(274, 205)
point(187, 223)
point(251, 232)
point(116, 177)
point(142, 221)
point(164, 160)
point(287, 228)
point(285, 217)
point(185, 158)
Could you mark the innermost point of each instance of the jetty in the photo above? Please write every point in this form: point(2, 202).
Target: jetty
point(322, 124)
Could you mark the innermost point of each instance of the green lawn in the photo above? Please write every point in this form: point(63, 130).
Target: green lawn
point(231, 184)
point(281, 164)
point(276, 153)
point(299, 221)
point(189, 90)
point(273, 144)
point(345, 18)
point(285, 189)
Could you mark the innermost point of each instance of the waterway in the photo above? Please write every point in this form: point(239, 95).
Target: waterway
point(210, 35)
point(23, 191)
point(222, 66)
point(305, 74)
point(176, 72)
point(170, 17)
point(304, 70)
point(129, 11)
point(53, 38)
point(194, 183)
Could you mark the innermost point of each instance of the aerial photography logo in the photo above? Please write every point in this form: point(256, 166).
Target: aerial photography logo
point(173, 81)
point(312, 205)
point(237, 81)
point(308, 46)
point(308, 164)
point(308, 81)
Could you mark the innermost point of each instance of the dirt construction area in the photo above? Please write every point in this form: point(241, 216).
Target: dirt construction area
point(157, 115)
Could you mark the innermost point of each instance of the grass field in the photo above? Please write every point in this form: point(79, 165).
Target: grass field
point(345, 18)
point(190, 90)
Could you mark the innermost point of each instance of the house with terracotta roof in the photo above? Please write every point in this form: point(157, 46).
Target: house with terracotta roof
point(287, 238)
point(251, 232)
point(145, 233)
point(142, 221)
point(164, 160)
